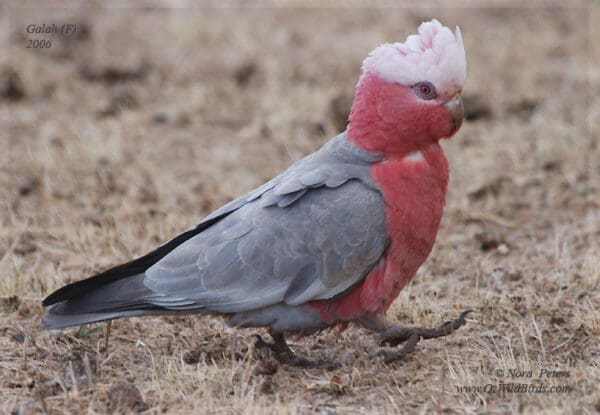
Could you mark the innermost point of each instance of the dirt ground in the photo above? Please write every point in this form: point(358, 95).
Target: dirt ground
point(132, 129)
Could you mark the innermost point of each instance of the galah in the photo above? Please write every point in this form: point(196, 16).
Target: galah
point(331, 240)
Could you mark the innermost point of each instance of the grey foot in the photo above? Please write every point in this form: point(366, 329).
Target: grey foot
point(412, 335)
point(284, 354)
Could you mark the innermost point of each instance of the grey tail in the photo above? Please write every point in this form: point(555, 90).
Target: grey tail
point(115, 293)
point(123, 298)
point(53, 320)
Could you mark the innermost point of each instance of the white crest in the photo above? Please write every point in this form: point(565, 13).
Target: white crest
point(435, 54)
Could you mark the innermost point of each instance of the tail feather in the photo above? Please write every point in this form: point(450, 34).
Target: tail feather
point(53, 320)
point(120, 291)
point(127, 297)
point(129, 269)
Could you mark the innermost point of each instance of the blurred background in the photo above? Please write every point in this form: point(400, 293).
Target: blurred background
point(146, 118)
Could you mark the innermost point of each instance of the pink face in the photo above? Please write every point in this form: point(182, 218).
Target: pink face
point(408, 117)
point(420, 110)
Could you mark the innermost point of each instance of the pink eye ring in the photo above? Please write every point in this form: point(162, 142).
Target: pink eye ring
point(425, 90)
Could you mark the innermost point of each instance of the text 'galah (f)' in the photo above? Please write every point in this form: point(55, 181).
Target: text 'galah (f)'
point(331, 240)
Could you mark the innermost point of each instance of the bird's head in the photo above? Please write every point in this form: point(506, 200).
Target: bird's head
point(409, 94)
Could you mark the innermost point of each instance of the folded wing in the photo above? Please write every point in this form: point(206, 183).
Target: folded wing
point(310, 233)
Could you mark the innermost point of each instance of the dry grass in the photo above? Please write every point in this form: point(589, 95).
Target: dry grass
point(100, 169)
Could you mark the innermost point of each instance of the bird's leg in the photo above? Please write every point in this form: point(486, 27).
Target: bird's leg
point(393, 334)
point(283, 353)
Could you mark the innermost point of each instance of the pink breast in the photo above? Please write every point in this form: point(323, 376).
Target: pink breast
point(414, 189)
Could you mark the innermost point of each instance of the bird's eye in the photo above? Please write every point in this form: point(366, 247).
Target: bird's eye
point(425, 90)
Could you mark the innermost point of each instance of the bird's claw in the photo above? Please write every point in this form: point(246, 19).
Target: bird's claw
point(412, 335)
point(465, 313)
point(285, 355)
point(259, 343)
point(395, 338)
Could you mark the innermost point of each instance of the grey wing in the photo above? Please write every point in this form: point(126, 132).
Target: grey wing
point(309, 234)
point(313, 249)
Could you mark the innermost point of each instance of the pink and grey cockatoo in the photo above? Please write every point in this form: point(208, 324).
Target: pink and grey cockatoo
point(333, 239)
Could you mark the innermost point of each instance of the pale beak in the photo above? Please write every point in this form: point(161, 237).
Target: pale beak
point(455, 106)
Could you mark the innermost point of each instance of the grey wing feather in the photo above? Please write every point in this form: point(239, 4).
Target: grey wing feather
point(309, 234)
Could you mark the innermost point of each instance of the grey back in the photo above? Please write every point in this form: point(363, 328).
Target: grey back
point(310, 233)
